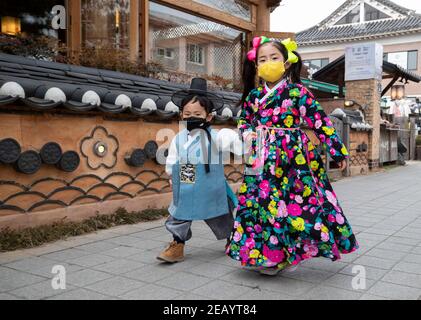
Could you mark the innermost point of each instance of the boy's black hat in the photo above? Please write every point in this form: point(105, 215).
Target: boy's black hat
point(198, 87)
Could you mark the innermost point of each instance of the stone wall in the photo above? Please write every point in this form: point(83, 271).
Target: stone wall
point(329, 105)
point(99, 184)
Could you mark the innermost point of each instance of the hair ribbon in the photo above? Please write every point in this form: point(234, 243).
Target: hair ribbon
point(289, 44)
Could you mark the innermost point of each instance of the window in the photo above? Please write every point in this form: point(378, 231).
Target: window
point(314, 65)
point(352, 17)
point(404, 59)
point(412, 60)
point(197, 46)
point(374, 14)
point(195, 54)
point(169, 53)
point(238, 8)
point(165, 53)
point(161, 52)
point(105, 23)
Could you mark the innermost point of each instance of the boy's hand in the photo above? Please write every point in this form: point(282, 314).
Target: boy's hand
point(342, 165)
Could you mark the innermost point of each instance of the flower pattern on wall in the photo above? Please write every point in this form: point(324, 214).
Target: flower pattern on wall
point(100, 149)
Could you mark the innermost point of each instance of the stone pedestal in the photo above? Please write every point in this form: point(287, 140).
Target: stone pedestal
point(368, 93)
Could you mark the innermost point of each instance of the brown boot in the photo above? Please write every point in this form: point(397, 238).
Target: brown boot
point(173, 253)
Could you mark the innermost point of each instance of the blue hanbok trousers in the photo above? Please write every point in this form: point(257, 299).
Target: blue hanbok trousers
point(181, 229)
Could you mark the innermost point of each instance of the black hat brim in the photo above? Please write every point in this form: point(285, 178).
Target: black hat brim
point(179, 96)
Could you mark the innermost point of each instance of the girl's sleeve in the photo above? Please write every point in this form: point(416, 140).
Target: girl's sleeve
point(315, 117)
point(245, 121)
point(229, 141)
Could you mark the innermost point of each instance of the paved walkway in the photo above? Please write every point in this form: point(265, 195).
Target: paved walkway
point(383, 208)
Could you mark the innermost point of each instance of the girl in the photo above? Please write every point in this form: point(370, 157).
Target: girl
point(194, 162)
point(287, 211)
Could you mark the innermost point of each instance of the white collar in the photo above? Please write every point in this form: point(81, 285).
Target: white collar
point(270, 91)
point(191, 136)
point(194, 132)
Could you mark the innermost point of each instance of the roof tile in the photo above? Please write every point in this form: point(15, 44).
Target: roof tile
point(37, 76)
point(321, 33)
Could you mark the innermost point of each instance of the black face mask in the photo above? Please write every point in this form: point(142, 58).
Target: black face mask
point(196, 123)
point(200, 123)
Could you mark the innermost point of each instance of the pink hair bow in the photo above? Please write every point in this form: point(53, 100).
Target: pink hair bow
point(257, 41)
point(289, 44)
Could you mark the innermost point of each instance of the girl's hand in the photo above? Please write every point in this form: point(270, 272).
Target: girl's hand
point(249, 135)
point(342, 165)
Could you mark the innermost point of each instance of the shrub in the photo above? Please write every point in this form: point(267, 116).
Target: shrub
point(36, 236)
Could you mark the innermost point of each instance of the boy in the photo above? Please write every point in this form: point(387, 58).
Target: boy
point(194, 163)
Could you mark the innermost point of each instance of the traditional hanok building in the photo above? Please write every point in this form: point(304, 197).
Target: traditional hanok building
point(188, 36)
point(397, 28)
point(78, 141)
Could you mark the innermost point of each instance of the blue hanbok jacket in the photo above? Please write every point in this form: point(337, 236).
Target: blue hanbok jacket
point(208, 196)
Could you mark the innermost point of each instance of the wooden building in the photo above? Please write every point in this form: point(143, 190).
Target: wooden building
point(186, 36)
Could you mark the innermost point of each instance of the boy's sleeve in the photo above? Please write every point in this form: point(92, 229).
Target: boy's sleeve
point(315, 117)
point(245, 121)
point(172, 157)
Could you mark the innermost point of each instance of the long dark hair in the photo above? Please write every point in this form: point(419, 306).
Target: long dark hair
point(293, 73)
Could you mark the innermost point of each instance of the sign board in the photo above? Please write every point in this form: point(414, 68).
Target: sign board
point(364, 61)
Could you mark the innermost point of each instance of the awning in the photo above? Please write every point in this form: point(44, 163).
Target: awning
point(321, 86)
point(334, 73)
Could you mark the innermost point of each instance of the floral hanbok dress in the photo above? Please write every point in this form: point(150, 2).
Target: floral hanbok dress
point(288, 212)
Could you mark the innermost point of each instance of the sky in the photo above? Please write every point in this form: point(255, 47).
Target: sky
point(298, 15)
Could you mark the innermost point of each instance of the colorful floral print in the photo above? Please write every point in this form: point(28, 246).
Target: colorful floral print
point(289, 212)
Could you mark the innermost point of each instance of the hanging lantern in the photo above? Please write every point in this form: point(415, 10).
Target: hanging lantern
point(397, 92)
point(401, 92)
point(10, 25)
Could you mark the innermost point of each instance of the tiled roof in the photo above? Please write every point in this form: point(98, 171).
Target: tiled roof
point(396, 7)
point(386, 3)
point(323, 33)
point(355, 119)
point(45, 85)
point(344, 33)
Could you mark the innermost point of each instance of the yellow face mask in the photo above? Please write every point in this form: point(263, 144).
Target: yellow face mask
point(271, 71)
